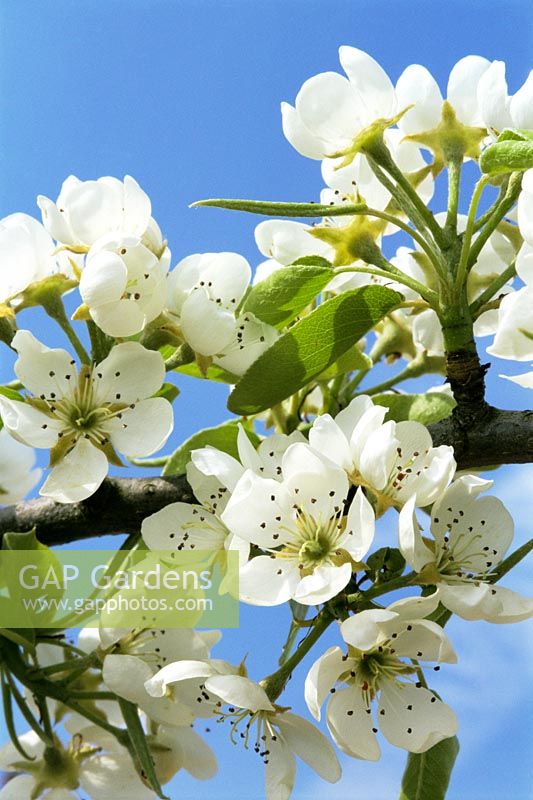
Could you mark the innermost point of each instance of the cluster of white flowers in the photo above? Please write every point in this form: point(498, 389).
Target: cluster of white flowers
point(302, 509)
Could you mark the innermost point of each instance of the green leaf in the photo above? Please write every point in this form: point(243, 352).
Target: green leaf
point(509, 155)
point(46, 563)
point(25, 637)
point(139, 746)
point(280, 298)
point(425, 408)
point(169, 391)
point(312, 261)
point(223, 437)
point(427, 775)
point(353, 360)
point(384, 564)
point(310, 347)
point(273, 209)
point(516, 134)
point(11, 394)
point(213, 373)
point(10, 722)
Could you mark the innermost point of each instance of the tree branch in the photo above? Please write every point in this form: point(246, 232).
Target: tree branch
point(496, 437)
point(120, 505)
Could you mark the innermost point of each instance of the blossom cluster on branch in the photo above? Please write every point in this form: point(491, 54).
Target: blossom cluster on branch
point(307, 507)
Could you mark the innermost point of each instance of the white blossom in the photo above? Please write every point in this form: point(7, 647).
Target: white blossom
point(205, 291)
point(299, 521)
point(375, 670)
point(394, 460)
point(276, 734)
point(331, 110)
point(476, 90)
point(87, 210)
point(85, 417)
point(124, 284)
point(471, 535)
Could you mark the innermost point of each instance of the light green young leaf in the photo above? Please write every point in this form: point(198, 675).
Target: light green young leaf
point(351, 361)
point(310, 347)
point(139, 746)
point(223, 437)
point(425, 408)
point(213, 373)
point(510, 155)
point(279, 298)
point(269, 208)
point(169, 391)
point(427, 775)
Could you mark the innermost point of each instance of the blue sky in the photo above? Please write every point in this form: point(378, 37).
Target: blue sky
point(184, 95)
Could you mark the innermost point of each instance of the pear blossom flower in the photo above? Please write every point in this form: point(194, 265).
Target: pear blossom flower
point(276, 734)
point(374, 670)
point(26, 254)
point(471, 535)
point(331, 110)
point(394, 460)
point(18, 473)
point(85, 417)
point(124, 284)
point(87, 210)
point(211, 473)
point(94, 763)
point(136, 659)
point(299, 521)
point(205, 291)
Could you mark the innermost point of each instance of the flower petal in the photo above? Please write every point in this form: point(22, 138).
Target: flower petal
point(351, 726)
point(129, 373)
point(417, 86)
point(43, 370)
point(462, 88)
point(236, 690)
point(142, 430)
point(310, 744)
point(78, 475)
point(267, 581)
point(324, 583)
point(259, 509)
point(363, 630)
point(371, 82)
point(410, 539)
point(360, 527)
point(322, 677)
point(28, 425)
point(414, 718)
point(206, 326)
